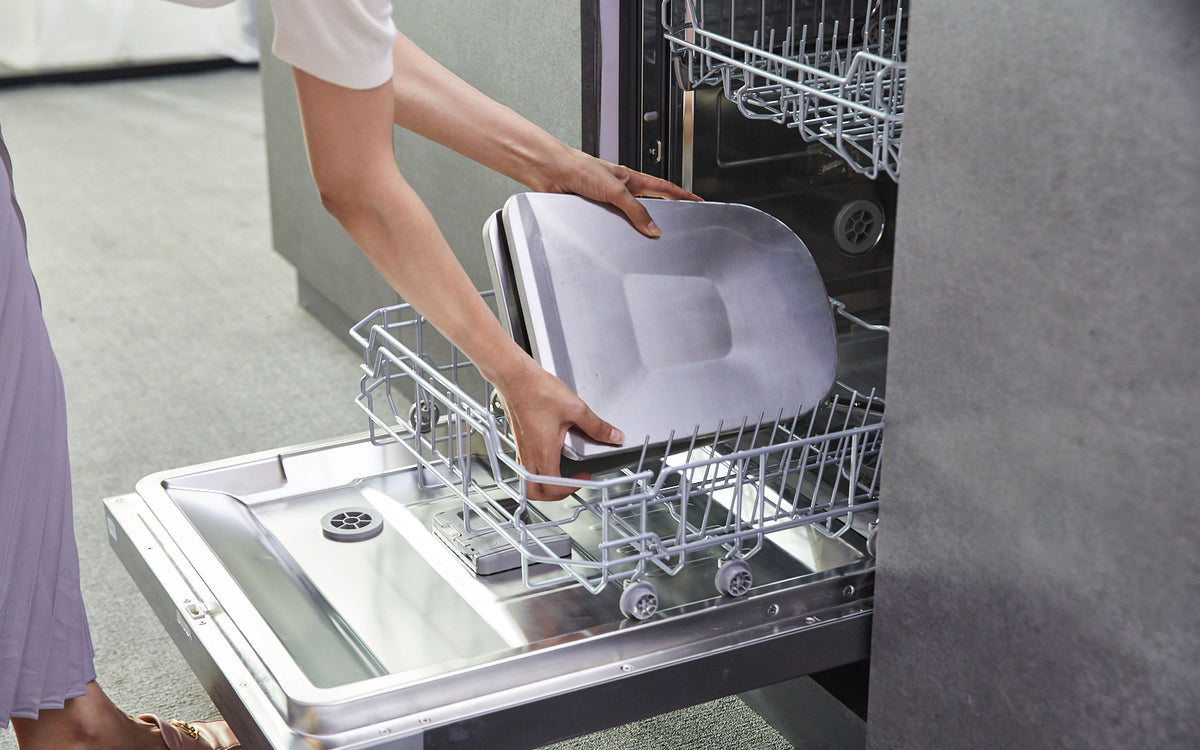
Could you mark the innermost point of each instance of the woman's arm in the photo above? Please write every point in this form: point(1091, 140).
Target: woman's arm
point(348, 134)
point(433, 102)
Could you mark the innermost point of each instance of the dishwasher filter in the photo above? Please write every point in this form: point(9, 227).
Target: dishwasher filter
point(351, 524)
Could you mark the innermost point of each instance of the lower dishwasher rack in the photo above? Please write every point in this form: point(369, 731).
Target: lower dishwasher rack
point(654, 510)
point(383, 638)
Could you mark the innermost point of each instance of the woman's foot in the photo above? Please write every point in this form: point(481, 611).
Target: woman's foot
point(195, 735)
point(93, 722)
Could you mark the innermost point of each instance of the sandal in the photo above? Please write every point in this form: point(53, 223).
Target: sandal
point(198, 735)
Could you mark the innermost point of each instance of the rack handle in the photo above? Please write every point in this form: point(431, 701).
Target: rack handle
point(840, 308)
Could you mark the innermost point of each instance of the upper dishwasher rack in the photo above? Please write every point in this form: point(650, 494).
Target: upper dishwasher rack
point(833, 70)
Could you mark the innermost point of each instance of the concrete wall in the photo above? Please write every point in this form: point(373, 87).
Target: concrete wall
point(1039, 561)
point(524, 53)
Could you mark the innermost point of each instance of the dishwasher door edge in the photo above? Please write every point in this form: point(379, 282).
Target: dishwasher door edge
point(215, 661)
point(640, 695)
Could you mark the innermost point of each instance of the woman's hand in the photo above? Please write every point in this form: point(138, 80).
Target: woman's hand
point(349, 138)
point(541, 408)
point(573, 171)
point(430, 100)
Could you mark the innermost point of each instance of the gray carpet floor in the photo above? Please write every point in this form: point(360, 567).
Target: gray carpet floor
point(180, 340)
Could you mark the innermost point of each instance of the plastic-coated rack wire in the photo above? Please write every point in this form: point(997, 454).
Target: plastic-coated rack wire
point(727, 490)
point(832, 69)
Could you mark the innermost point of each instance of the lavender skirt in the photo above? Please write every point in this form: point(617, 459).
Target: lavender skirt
point(45, 649)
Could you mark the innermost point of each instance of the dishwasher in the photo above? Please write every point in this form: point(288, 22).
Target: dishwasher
point(397, 589)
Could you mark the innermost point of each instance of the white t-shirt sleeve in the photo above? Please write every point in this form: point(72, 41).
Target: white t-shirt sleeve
point(204, 3)
point(347, 42)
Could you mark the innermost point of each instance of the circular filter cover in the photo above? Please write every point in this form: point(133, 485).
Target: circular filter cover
point(351, 524)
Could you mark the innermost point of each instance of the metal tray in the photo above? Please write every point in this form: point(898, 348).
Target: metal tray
point(724, 320)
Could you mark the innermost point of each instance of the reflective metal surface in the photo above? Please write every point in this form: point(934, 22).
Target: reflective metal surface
point(722, 320)
point(334, 643)
point(508, 304)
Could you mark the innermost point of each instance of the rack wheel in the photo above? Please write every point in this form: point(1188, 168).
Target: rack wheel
point(423, 415)
point(734, 577)
point(639, 601)
point(858, 227)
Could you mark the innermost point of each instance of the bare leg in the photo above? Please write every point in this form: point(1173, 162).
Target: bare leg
point(89, 722)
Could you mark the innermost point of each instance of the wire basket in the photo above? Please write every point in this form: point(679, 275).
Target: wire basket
point(832, 69)
point(727, 490)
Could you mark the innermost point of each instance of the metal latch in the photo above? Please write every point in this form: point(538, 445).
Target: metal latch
point(195, 610)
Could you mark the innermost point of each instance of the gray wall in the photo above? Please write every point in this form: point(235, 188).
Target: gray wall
point(524, 53)
point(1039, 563)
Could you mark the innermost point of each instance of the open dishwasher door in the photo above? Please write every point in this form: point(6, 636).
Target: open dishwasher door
point(391, 642)
point(309, 592)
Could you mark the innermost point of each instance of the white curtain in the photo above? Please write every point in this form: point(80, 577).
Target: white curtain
point(40, 35)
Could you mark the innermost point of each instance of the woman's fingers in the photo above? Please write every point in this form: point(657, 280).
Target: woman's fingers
point(597, 429)
point(654, 187)
point(548, 465)
point(541, 409)
point(626, 203)
point(549, 462)
point(630, 184)
point(617, 186)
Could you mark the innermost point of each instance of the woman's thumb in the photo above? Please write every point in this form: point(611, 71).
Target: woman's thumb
point(599, 430)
